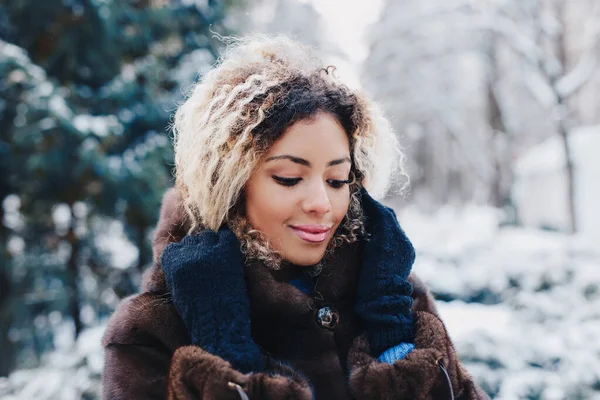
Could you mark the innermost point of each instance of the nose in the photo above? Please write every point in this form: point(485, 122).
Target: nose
point(317, 200)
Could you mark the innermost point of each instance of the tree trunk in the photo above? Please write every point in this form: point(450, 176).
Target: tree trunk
point(7, 359)
point(500, 140)
point(497, 194)
point(143, 259)
point(563, 112)
point(569, 169)
point(563, 120)
point(74, 305)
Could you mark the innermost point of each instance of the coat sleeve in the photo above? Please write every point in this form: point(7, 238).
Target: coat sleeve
point(146, 357)
point(139, 342)
point(431, 370)
point(135, 372)
point(197, 374)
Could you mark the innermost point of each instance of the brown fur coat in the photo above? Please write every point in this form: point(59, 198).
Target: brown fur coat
point(148, 353)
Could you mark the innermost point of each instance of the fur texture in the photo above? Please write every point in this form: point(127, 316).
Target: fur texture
point(148, 353)
point(418, 376)
point(196, 374)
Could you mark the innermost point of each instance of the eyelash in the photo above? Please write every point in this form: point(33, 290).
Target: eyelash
point(289, 182)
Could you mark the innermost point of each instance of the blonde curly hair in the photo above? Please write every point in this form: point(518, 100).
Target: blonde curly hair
point(258, 88)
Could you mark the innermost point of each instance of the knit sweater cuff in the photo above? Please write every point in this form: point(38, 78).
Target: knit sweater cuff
point(383, 337)
point(396, 353)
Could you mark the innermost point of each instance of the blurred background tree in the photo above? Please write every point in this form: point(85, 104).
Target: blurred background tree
point(495, 78)
point(87, 88)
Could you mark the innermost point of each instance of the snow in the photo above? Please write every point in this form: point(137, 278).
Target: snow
point(539, 88)
point(524, 309)
point(541, 185)
point(13, 219)
point(111, 238)
point(522, 306)
point(191, 66)
point(69, 373)
point(58, 106)
point(579, 76)
point(11, 51)
point(15, 245)
point(347, 26)
point(61, 215)
point(100, 126)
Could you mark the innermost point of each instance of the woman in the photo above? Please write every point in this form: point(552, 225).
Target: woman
point(276, 275)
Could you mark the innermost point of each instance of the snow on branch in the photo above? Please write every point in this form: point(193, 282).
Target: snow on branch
point(583, 71)
point(574, 80)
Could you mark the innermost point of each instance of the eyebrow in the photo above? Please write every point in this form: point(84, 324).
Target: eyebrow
point(306, 163)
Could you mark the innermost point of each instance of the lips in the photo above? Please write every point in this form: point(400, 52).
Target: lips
point(311, 233)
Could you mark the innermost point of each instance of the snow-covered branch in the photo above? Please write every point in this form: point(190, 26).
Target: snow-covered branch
point(583, 71)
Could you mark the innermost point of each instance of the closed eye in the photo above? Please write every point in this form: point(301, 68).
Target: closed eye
point(337, 184)
point(286, 181)
point(334, 183)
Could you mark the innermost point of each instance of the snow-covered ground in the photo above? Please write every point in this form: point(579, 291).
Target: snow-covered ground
point(522, 305)
point(71, 373)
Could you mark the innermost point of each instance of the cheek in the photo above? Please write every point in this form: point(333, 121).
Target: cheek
point(266, 208)
point(339, 204)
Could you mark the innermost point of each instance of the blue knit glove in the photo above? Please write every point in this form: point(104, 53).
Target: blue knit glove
point(205, 275)
point(384, 293)
point(396, 353)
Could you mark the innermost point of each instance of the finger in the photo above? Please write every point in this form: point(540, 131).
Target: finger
point(194, 370)
point(378, 381)
point(430, 332)
point(359, 354)
point(420, 370)
point(277, 387)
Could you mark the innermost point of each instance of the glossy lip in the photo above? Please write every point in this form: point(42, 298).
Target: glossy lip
point(311, 233)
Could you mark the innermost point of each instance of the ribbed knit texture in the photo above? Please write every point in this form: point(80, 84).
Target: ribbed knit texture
point(205, 275)
point(384, 293)
point(396, 353)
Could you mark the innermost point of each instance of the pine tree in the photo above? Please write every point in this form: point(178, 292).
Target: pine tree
point(87, 88)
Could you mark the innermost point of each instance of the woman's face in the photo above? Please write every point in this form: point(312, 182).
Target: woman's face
point(300, 193)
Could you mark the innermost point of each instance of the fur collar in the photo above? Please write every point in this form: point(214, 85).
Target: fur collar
point(172, 226)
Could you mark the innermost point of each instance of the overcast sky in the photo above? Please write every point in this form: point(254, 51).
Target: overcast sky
point(347, 22)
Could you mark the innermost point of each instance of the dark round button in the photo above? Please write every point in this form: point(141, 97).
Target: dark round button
point(328, 317)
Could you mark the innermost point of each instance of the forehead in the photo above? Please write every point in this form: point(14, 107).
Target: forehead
point(321, 137)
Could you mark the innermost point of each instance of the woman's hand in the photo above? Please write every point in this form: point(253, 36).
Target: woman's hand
point(205, 276)
point(431, 371)
point(212, 252)
point(383, 297)
point(196, 374)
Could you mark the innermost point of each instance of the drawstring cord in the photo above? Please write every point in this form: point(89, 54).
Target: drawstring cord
point(448, 381)
point(243, 395)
